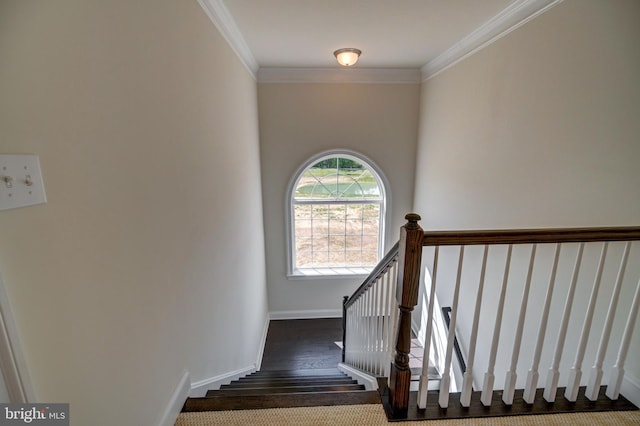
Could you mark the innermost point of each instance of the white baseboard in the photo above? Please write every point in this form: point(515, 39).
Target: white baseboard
point(12, 360)
point(630, 389)
point(310, 314)
point(173, 408)
point(369, 382)
point(200, 388)
point(263, 343)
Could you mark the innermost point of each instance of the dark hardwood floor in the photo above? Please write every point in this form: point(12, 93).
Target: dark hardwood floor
point(303, 344)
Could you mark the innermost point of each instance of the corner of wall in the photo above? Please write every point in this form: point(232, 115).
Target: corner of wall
point(200, 388)
point(179, 396)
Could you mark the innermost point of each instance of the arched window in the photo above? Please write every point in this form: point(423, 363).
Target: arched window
point(336, 216)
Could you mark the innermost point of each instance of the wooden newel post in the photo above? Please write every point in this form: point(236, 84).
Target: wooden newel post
point(411, 235)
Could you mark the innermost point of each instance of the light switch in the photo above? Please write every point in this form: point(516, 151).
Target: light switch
point(20, 181)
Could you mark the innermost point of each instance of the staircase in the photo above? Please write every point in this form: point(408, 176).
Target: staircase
point(285, 388)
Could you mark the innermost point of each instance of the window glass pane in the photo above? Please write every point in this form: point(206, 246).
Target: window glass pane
point(337, 178)
point(320, 242)
point(370, 242)
point(336, 258)
point(369, 258)
point(371, 211)
point(302, 211)
point(303, 243)
point(337, 242)
point(303, 259)
point(303, 227)
point(320, 259)
point(354, 258)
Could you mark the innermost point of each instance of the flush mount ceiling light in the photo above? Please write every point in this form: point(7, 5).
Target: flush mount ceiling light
point(347, 57)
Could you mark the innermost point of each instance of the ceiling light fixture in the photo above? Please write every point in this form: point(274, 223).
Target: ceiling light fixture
point(347, 57)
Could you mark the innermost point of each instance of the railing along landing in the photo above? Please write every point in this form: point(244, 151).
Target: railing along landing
point(530, 307)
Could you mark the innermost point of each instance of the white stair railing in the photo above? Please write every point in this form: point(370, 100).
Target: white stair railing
point(495, 345)
point(370, 318)
point(499, 309)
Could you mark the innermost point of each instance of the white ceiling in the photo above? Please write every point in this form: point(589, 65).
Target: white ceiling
point(392, 34)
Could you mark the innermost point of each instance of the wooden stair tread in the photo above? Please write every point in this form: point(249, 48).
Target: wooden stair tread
point(306, 399)
point(291, 378)
point(267, 384)
point(288, 389)
point(298, 373)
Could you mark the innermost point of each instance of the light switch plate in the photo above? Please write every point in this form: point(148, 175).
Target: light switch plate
point(20, 181)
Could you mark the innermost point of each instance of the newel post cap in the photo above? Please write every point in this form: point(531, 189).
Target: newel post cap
point(412, 219)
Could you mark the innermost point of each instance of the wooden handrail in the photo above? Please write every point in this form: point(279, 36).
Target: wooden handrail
point(530, 236)
point(376, 273)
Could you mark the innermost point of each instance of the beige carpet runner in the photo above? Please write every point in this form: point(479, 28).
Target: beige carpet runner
point(372, 415)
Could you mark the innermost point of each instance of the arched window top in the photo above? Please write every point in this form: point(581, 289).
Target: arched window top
point(337, 203)
point(338, 177)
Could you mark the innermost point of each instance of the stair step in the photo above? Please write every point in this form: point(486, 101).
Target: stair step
point(290, 377)
point(280, 383)
point(293, 379)
point(288, 389)
point(302, 399)
point(298, 373)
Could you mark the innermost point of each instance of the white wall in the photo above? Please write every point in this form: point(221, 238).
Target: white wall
point(148, 258)
point(298, 121)
point(540, 129)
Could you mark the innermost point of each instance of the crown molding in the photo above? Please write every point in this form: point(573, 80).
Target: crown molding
point(224, 22)
point(339, 75)
point(512, 17)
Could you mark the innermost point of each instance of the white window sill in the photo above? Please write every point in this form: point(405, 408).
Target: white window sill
point(329, 273)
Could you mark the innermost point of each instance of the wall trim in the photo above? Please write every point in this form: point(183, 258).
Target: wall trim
point(263, 342)
point(174, 407)
point(630, 389)
point(200, 388)
point(339, 75)
point(12, 361)
point(224, 22)
point(369, 382)
point(310, 314)
point(512, 17)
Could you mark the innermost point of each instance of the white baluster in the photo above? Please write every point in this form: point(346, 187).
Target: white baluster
point(510, 379)
point(423, 387)
point(370, 348)
point(353, 340)
point(489, 377)
point(575, 374)
point(443, 397)
point(368, 345)
point(396, 312)
point(387, 321)
point(467, 381)
point(354, 333)
point(365, 331)
point(347, 337)
point(378, 321)
point(361, 333)
point(617, 373)
point(595, 378)
point(532, 377)
point(553, 374)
